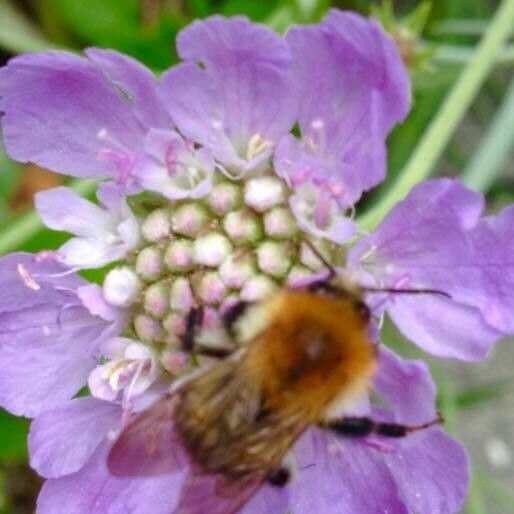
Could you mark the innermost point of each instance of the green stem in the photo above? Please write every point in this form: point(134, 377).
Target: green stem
point(29, 224)
point(446, 120)
point(455, 54)
point(17, 33)
point(487, 161)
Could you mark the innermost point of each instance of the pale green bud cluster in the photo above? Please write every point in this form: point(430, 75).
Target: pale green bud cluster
point(240, 242)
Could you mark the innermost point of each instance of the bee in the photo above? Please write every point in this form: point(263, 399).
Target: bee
point(302, 355)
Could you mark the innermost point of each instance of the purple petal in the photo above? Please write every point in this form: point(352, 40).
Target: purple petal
point(407, 387)
point(92, 298)
point(443, 327)
point(206, 493)
point(173, 168)
point(268, 498)
point(61, 208)
point(343, 476)
point(28, 281)
point(136, 81)
point(104, 235)
point(244, 99)
point(219, 41)
point(62, 440)
point(61, 113)
point(493, 243)
point(332, 224)
point(93, 490)
point(354, 88)
point(47, 337)
point(433, 239)
point(432, 475)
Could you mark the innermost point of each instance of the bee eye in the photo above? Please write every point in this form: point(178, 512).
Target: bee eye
point(362, 310)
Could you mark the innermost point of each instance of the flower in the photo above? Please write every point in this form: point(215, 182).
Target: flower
point(210, 199)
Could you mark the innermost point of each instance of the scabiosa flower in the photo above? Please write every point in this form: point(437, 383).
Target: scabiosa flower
point(210, 199)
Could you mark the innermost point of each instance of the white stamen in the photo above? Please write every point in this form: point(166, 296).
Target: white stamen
point(27, 278)
point(256, 146)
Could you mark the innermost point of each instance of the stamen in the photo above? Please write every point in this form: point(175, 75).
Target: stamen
point(256, 146)
point(27, 278)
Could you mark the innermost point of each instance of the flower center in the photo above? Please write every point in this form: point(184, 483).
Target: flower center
point(239, 242)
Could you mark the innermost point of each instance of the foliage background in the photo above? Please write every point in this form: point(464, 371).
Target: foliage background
point(476, 399)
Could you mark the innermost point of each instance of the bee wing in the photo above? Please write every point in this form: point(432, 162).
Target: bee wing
point(149, 445)
point(213, 494)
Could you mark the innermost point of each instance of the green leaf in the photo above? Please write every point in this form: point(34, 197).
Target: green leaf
point(199, 8)
point(115, 24)
point(9, 175)
point(256, 10)
point(474, 396)
point(13, 436)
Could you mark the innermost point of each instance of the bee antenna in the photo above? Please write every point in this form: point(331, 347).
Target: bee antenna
point(332, 272)
point(404, 291)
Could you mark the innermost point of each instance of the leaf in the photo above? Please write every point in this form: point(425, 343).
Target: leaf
point(13, 435)
point(115, 24)
point(257, 10)
point(474, 396)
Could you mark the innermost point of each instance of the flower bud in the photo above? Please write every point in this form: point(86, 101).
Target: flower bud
point(121, 287)
point(280, 223)
point(181, 296)
point(174, 324)
point(179, 255)
point(189, 219)
point(263, 193)
point(210, 288)
point(156, 299)
point(258, 287)
point(211, 249)
point(242, 226)
point(149, 263)
point(224, 198)
point(310, 259)
point(235, 270)
point(147, 328)
point(174, 361)
point(274, 258)
point(296, 274)
point(157, 225)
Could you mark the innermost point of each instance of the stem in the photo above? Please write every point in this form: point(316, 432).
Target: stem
point(487, 161)
point(29, 224)
point(446, 120)
point(455, 54)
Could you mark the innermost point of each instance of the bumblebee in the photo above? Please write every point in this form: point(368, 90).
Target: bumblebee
point(303, 355)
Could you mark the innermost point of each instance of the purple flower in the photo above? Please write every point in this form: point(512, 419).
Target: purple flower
point(237, 205)
point(103, 235)
point(435, 239)
point(83, 117)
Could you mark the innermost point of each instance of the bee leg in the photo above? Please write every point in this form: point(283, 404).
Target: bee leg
point(233, 314)
point(279, 477)
point(358, 427)
point(193, 320)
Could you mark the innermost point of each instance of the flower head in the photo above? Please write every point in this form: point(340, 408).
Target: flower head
point(210, 200)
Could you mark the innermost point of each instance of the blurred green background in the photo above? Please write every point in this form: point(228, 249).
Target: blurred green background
point(437, 40)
